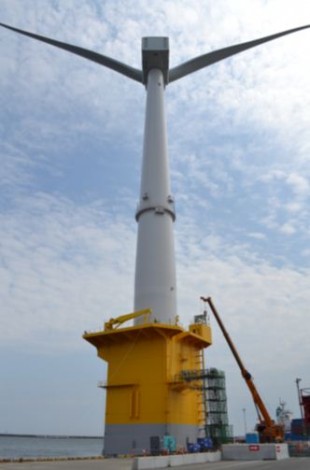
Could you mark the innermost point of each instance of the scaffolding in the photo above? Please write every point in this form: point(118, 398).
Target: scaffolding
point(216, 427)
point(211, 399)
point(213, 403)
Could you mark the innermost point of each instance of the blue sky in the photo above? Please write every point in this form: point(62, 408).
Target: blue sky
point(70, 149)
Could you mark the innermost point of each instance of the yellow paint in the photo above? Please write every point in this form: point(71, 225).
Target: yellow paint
point(145, 382)
point(114, 323)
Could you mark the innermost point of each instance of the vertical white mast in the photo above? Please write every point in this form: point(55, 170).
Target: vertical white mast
point(155, 281)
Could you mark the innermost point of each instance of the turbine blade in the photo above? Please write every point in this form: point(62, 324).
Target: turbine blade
point(130, 72)
point(215, 56)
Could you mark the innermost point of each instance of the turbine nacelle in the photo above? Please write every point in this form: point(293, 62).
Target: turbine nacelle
point(155, 55)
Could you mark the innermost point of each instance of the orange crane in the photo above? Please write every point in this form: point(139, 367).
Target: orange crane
point(268, 430)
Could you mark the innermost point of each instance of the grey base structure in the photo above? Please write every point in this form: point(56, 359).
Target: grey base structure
point(138, 439)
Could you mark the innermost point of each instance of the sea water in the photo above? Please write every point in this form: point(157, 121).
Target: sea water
point(17, 447)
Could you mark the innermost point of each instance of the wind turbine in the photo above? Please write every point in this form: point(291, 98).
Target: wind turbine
point(150, 364)
point(155, 277)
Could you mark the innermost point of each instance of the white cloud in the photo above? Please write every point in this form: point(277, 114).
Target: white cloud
point(300, 185)
point(287, 228)
point(63, 269)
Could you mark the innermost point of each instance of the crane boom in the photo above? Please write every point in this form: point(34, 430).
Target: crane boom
point(114, 323)
point(268, 430)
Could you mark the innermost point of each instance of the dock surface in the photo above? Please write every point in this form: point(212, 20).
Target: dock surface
point(300, 463)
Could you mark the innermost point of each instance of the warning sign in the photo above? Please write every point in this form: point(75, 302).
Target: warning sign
point(254, 448)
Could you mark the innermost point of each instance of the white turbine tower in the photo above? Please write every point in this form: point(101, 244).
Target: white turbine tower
point(155, 278)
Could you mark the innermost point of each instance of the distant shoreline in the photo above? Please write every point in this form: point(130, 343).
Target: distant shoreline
point(49, 436)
